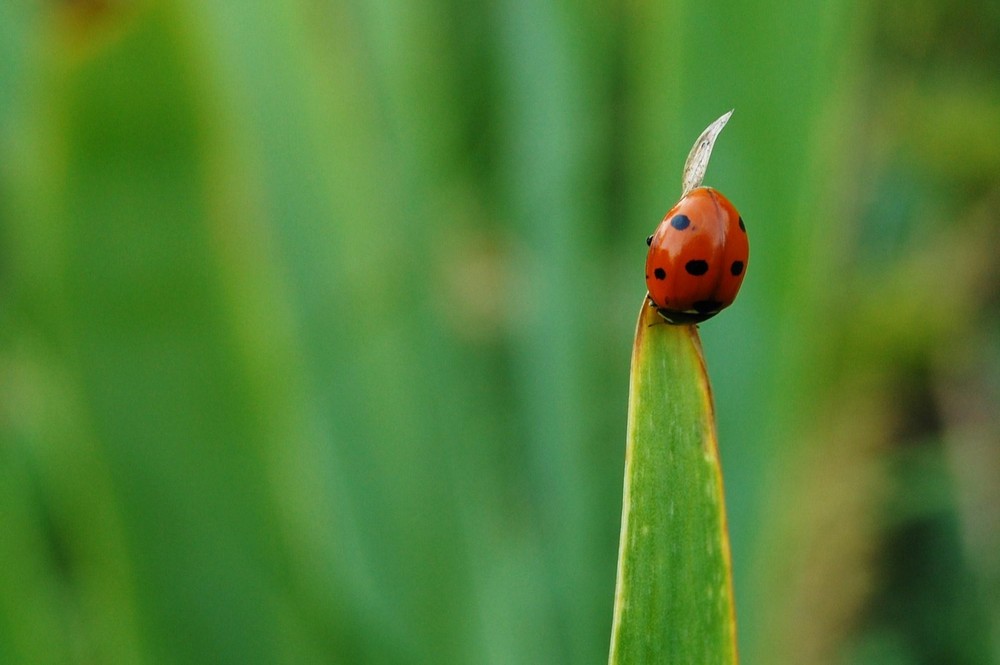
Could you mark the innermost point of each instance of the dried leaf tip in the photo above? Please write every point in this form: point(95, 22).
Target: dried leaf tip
point(697, 160)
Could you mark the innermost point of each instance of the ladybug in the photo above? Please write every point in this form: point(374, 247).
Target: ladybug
point(697, 257)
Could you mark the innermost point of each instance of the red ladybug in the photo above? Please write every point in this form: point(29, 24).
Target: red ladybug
point(697, 257)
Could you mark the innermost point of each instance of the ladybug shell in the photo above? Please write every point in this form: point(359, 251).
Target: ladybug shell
point(697, 257)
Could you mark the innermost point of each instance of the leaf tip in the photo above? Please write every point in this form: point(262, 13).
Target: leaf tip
point(697, 160)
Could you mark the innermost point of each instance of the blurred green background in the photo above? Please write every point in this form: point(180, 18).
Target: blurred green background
point(315, 320)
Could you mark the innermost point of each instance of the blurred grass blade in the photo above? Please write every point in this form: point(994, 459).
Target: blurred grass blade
point(674, 600)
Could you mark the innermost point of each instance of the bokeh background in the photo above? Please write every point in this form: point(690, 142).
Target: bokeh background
point(315, 320)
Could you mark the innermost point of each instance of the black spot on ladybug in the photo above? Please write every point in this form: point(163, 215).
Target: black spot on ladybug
point(742, 227)
point(649, 239)
point(680, 222)
point(736, 268)
point(660, 273)
point(696, 267)
point(704, 306)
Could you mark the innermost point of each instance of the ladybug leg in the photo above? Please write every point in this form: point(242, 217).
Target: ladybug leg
point(652, 304)
point(649, 301)
point(663, 318)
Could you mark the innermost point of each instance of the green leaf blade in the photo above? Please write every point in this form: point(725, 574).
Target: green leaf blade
point(674, 600)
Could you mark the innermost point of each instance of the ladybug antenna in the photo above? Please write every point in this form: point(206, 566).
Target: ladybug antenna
point(697, 161)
